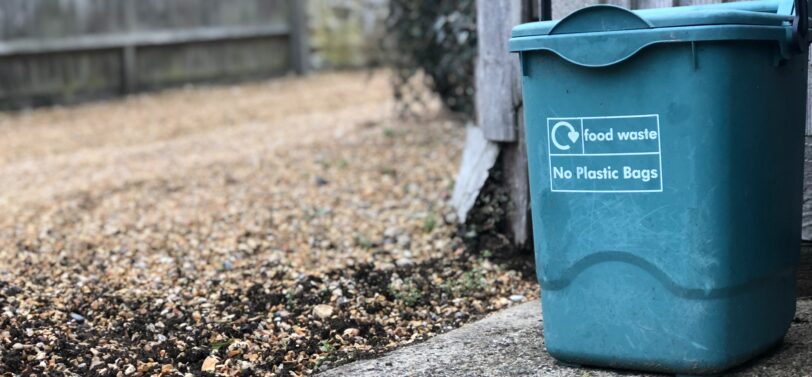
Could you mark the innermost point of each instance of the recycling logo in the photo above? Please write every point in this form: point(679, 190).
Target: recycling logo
point(572, 135)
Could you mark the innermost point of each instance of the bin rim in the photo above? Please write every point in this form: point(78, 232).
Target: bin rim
point(622, 45)
point(763, 12)
point(615, 34)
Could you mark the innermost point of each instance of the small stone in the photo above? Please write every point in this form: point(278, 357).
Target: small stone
point(160, 338)
point(209, 364)
point(233, 353)
point(323, 311)
point(196, 316)
point(390, 232)
point(13, 291)
point(404, 240)
point(351, 332)
point(129, 370)
point(283, 314)
point(17, 346)
point(167, 368)
point(396, 283)
point(77, 317)
point(517, 298)
point(440, 244)
point(404, 262)
point(96, 361)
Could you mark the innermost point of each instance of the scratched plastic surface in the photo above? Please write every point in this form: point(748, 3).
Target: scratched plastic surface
point(666, 190)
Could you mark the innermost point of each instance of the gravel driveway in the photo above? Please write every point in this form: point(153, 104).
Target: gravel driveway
point(276, 228)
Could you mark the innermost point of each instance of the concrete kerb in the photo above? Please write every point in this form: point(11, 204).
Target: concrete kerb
point(510, 343)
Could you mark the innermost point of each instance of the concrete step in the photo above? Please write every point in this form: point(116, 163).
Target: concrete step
point(510, 343)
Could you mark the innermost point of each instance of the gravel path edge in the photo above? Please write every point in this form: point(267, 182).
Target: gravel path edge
point(510, 343)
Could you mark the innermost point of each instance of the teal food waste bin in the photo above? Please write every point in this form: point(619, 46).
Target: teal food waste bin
point(665, 151)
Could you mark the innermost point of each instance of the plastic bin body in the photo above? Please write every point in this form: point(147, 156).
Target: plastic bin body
point(666, 191)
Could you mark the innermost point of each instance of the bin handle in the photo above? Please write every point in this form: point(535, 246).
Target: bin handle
point(598, 18)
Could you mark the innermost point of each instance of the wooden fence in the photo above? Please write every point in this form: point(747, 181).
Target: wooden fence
point(71, 50)
point(499, 98)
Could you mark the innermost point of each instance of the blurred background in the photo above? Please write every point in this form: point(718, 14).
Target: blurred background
point(259, 186)
point(69, 51)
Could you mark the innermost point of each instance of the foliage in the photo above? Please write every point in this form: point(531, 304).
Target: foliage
point(408, 293)
point(432, 42)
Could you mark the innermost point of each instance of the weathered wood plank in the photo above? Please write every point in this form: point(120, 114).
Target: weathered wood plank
point(621, 3)
point(809, 103)
point(162, 66)
point(646, 4)
point(31, 80)
point(128, 52)
point(142, 38)
point(49, 18)
point(697, 2)
point(806, 222)
point(188, 40)
point(514, 166)
point(514, 162)
point(562, 9)
point(514, 159)
point(499, 117)
point(805, 271)
point(299, 47)
point(497, 70)
point(163, 14)
point(129, 81)
point(478, 158)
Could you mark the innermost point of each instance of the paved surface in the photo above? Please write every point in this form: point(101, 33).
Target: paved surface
point(509, 343)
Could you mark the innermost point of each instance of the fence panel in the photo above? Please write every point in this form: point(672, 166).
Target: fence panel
point(71, 50)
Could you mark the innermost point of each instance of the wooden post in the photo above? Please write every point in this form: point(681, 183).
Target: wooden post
point(806, 227)
point(128, 52)
point(514, 166)
point(545, 10)
point(498, 102)
point(299, 46)
point(497, 70)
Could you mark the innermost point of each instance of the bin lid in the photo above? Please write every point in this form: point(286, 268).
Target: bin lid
point(602, 35)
